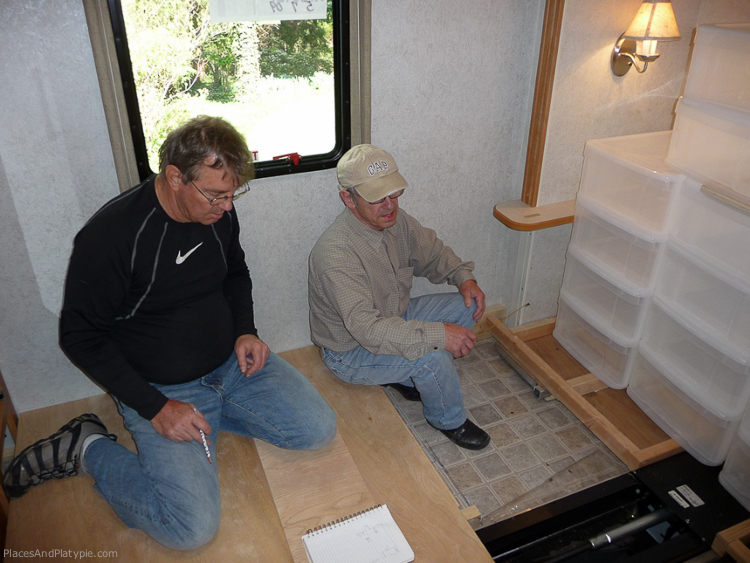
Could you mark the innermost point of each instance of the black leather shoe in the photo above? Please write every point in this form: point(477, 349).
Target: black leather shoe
point(468, 436)
point(408, 393)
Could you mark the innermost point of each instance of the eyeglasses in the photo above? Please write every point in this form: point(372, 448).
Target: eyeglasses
point(221, 199)
point(394, 195)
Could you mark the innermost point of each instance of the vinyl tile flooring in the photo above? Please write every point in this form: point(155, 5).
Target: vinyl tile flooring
point(539, 451)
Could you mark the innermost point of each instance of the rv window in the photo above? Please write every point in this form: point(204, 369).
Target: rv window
point(277, 70)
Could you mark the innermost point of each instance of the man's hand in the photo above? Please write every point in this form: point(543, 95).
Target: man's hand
point(180, 423)
point(459, 341)
point(251, 353)
point(470, 290)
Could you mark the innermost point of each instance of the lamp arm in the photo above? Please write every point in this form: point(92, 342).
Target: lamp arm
point(634, 60)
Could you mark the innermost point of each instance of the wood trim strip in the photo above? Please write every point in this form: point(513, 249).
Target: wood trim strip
point(545, 77)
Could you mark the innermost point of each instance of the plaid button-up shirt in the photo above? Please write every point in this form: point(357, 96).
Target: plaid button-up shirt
point(359, 283)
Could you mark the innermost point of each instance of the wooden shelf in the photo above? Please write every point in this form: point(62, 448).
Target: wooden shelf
point(609, 413)
point(521, 217)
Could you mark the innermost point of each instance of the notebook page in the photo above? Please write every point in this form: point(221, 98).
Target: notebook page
point(370, 537)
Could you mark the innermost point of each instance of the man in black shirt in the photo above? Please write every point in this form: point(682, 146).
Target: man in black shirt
point(158, 310)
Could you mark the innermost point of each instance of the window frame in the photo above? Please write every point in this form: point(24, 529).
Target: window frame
point(263, 169)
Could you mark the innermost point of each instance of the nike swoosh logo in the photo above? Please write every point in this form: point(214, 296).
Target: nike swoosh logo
point(180, 258)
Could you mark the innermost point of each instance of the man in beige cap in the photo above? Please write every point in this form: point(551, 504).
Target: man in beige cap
point(362, 316)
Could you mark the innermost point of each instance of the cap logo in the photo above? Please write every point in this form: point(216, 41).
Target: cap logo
point(377, 166)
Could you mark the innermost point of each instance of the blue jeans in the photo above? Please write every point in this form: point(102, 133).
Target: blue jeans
point(434, 374)
point(169, 489)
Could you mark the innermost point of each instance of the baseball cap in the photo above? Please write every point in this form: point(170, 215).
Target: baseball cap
point(371, 171)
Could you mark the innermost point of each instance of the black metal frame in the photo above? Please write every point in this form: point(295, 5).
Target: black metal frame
point(263, 169)
point(566, 522)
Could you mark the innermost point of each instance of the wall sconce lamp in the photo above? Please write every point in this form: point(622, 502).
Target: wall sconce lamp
point(653, 22)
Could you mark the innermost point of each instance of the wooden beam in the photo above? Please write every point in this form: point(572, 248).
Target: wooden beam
point(545, 78)
point(733, 541)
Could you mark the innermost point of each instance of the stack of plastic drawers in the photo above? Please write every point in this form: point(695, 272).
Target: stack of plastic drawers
point(711, 138)
point(735, 475)
point(692, 373)
point(622, 217)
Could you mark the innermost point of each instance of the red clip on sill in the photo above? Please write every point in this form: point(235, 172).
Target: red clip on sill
point(293, 156)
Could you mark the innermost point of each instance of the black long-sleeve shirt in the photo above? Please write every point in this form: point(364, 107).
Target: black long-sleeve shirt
point(149, 299)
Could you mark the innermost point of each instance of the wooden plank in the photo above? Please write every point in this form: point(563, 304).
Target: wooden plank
point(519, 216)
point(558, 359)
point(739, 552)
point(313, 488)
point(595, 419)
point(535, 329)
point(68, 514)
point(628, 417)
point(586, 383)
point(733, 540)
point(394, 466)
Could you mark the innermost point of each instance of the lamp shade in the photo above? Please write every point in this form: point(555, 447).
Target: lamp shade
point(654, 20)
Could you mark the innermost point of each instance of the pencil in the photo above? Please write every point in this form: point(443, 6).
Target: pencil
point(203, 437)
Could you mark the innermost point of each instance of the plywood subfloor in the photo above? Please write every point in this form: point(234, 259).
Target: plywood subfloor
point(70, 515)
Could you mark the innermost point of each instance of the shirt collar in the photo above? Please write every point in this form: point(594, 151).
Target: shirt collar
point(371, 236)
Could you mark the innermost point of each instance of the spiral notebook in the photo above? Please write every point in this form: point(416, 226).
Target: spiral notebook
point(370, 536)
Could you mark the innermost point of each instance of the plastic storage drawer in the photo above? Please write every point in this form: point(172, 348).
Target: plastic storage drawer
point(735, 475)
point(586, 340)
point(705, 294)
point(623, 247)
point(717, 232)
point(720, 66)
point(712, 144)
point(629, 175)
point(708, 369)
point(702, 433)
point(619, 306)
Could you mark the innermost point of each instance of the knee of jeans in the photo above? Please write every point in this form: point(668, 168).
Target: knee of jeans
point(322, 430)
point(439, 360)
point(192, 529)
point(468, 318)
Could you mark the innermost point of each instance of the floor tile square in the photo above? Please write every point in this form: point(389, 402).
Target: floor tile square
point(509, 489)
point(554, 417)
point(492, 467)
point(520, 457)
point(547, 447)
point(448, 453)
point(502, 435)
point(510, 407)
point(483, 499)
point(535, 477)
point(573, 438)
point(480, 372)
point(464, 476)
point(494, 389)
point(528, 426)
point(484, 415)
